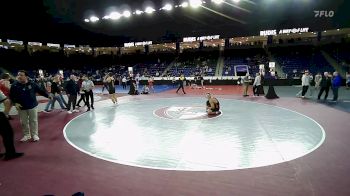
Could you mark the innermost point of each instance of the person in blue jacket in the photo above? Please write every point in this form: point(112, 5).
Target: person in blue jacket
point(336, 83)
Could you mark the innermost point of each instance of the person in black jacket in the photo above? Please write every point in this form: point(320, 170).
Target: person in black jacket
point(325, 85)
point(81, 92)
point(181, 81)
point(6, 131)
point(133, 90)
point(110, 83)
point(23, 96)
point(56, 92)
point(72, 90)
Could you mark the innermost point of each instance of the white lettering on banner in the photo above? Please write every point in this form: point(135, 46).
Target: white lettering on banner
point(305, 30)
point(35, 44)
point(268, 32)
point(143, 43)
point(284, 31)
point(53, 45)
point(131, 44)
point(208, 37)
point(189, 39)
point(10, 41)
point(202, 38)
point(69, 46)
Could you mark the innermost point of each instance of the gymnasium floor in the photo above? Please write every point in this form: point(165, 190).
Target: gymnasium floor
point(164, 144)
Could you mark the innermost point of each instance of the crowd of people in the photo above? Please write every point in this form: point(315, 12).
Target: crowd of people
point(21, 93)
point(322, 83)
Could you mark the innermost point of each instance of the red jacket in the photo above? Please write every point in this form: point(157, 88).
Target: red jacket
point(4, 88)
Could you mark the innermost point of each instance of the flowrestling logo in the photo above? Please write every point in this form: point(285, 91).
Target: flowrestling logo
point(324, 13)
point(183, 113)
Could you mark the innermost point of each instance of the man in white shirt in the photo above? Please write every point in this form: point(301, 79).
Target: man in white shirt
point(137, 80)
point(124, 80)
point(257, 84)
point(305, 83)
point(145, 90)
point(347, 80)
point(87, 87)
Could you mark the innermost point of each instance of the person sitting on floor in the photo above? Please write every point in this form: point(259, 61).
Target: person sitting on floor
point(213, 105)
point(145, 90)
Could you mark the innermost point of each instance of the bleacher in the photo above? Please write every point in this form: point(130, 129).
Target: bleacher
point(295, 59)
point(192, 63)
point(340, 53)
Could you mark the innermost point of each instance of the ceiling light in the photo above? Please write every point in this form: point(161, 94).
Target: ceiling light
point(196, 3)
point(149, 10)
point(167, 7)
point(126, 13)
point(138, 12)
point(114, 15)
point(94, 19)
point(218, 1)
point(184, 4)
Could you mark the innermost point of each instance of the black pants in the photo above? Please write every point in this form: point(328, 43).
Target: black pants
point(305, 88)
point(82, 98)
point(72, 99)
point(335, 93)
point(256, 90)
point(6, 133)
point(271, 93)
point(321, 92)
point(181, 86)
point(124, 85)
point(89, 94)
point(104, 86)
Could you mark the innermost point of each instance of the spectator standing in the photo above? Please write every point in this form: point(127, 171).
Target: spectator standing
point(23, 96)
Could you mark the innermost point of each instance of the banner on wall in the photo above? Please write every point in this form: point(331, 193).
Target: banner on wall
point(284, 31)
point(69, 46)
point(53, 45)
point(11, 41)
point(35, 44)
point(132, 44)
point(202, 38)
